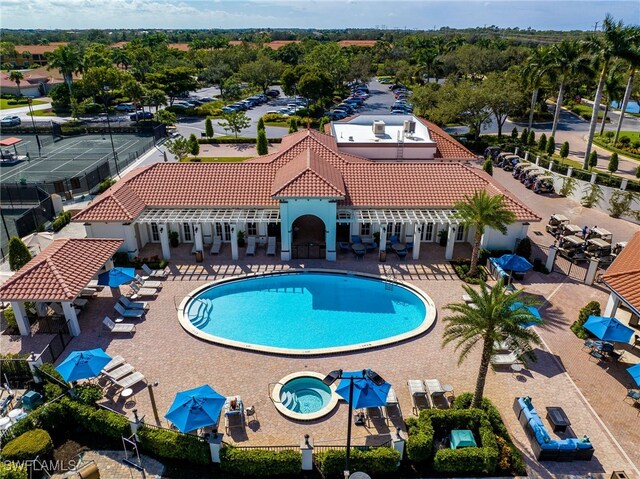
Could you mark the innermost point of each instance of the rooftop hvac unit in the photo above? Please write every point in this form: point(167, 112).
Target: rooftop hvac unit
point(409, 126)
point(378, 127)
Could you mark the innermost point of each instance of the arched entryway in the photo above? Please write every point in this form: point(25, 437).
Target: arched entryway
point(308, 237)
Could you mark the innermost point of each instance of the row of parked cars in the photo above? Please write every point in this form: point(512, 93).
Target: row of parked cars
point(251, 101)
point(348, 106)
point(401, 106)
point(529, 174)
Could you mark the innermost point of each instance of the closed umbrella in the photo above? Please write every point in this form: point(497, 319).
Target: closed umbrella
point(83, 364)
point(116, 277)
point(366, 393)
point(195, 408)
point(514, 262)
point(608, 329)
point(635, 373)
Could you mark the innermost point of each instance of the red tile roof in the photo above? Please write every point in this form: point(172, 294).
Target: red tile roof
point(252, 184)
point(60, 271)
point(623, 276)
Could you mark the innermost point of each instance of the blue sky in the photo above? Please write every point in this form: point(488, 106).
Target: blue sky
point(418, 14)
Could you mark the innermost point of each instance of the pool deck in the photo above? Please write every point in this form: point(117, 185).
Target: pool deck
point(590, 394)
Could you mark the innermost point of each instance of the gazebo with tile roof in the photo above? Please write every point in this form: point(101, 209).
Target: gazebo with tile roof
point(58, 274)
point(623, 279)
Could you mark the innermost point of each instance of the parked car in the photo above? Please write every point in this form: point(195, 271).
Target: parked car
point(10, 121)
point(141, 115)
point(128, 107)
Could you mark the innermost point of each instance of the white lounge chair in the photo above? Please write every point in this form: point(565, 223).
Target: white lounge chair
point(140, 292)
point(419, 397)
point(271, 246)
point(147, 283)
point(128, 313)
point(120, 327)
point(154, 273)
point(251, 246)
point(130, 380)
point(127, 303)
point(216, 246)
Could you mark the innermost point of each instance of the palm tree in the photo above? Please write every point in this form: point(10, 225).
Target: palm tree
point(482, 211)
point(68, 60)
point(634, 64)
point(566, 62)
point(616, 41)
point(613, 90)
point(535, 68)
point(16, 77)
point(493, 317)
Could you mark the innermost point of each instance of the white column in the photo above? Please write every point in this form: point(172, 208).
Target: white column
point(234, 241)
point(197, 229)
point(163, 229)
point(72, 319)
point(417, 237)
point(591, 271)
point(21, 317)
point(609, 311)
point(451, 239)
point(130, 241)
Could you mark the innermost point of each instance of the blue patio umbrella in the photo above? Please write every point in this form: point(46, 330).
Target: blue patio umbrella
point(365, 392)
point(195, 408)
point(513, 262)
point(116, 277)
point(608, 329)
point(83, 364)
point(532, 309)
point(635, 373)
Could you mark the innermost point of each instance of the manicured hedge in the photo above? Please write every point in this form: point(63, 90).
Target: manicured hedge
point(28, 446)
point(260, 463)
point(173, 445)
point(234, 140)
point(13, 470)
point(376, 462)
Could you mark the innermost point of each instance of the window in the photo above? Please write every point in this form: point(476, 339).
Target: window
point(460, 233)
point(155, 234)
point(186, 228)
point(365, 229)
point(427, 232)
point(252, 229)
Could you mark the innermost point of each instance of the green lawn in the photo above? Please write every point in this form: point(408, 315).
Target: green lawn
point(4, 104)
point(218, 159)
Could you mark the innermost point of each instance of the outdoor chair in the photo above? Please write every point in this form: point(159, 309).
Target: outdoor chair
point(216, 246)
point(147, 283)
point(119, 327)
point(251, 246)
point(634, 395)
point(419, 397)
point(140, 292)
point(129, 313)
point(127, 303)
point(154, 273)
point(271, 246)
point(392, 406)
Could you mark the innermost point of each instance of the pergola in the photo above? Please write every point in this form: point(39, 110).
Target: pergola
point(58, 274)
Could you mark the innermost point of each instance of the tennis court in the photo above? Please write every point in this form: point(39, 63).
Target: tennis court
point(72, 156)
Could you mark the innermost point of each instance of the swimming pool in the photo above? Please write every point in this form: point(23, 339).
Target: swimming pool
point(306, 312)
point(303, 396)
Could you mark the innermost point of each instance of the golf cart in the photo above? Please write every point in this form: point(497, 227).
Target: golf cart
point(572, 247)
point(602, 234)
point(598, 248)
point(518, 167)
point(556, 223)
point(543, 184)
point(530, 178)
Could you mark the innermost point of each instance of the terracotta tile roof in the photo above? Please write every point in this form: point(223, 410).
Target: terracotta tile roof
point(252, 183)
point(623, 276)
point(60, 271)
point(308, 175)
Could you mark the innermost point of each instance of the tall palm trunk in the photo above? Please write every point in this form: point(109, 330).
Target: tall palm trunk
point(482, 373)
point(625, 102)
point(556, 116)
point(594, 119)
point(476, 252)
point(604, 117)
point(534, 99)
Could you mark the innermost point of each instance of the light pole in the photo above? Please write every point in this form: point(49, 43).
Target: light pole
point(331, 378)
point(33, 123)
point(106, 110)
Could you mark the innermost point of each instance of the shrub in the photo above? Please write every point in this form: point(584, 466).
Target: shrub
point(28, 446)
point(590, 309)
point(260, 463)
point(174, 445)
point(375, 462)
point(88, 393)
point(12, 470)
point(524, 248)
point(19, 254)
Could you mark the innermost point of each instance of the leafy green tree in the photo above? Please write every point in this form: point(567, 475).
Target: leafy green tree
point(174, 80)
point(564, 150)
point(493, 317)
point(514, 132)
point(260, 124)
point(19, 254)
point(551, 146)
point(67, 59)
point(235, 122)
point(479, 212)
point(487, 166)
point(542, 142)
point(208, 128)
point(178, 147)
point(194, 146)
point(593, 160)
point(531, 140)
point(262, 146)
point(613, 163)
point(293, 125)
point(166, 117)
point(16, 77)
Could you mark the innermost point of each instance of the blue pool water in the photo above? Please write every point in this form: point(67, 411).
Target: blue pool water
point(304, 311)
point(632, 106)
point(305, 395)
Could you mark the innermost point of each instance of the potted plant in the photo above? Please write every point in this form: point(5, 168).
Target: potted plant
point(174, 238)
point(240, 238)
point(443, 236)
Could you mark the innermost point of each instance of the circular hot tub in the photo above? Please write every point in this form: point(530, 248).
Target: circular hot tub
point(304, 397)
